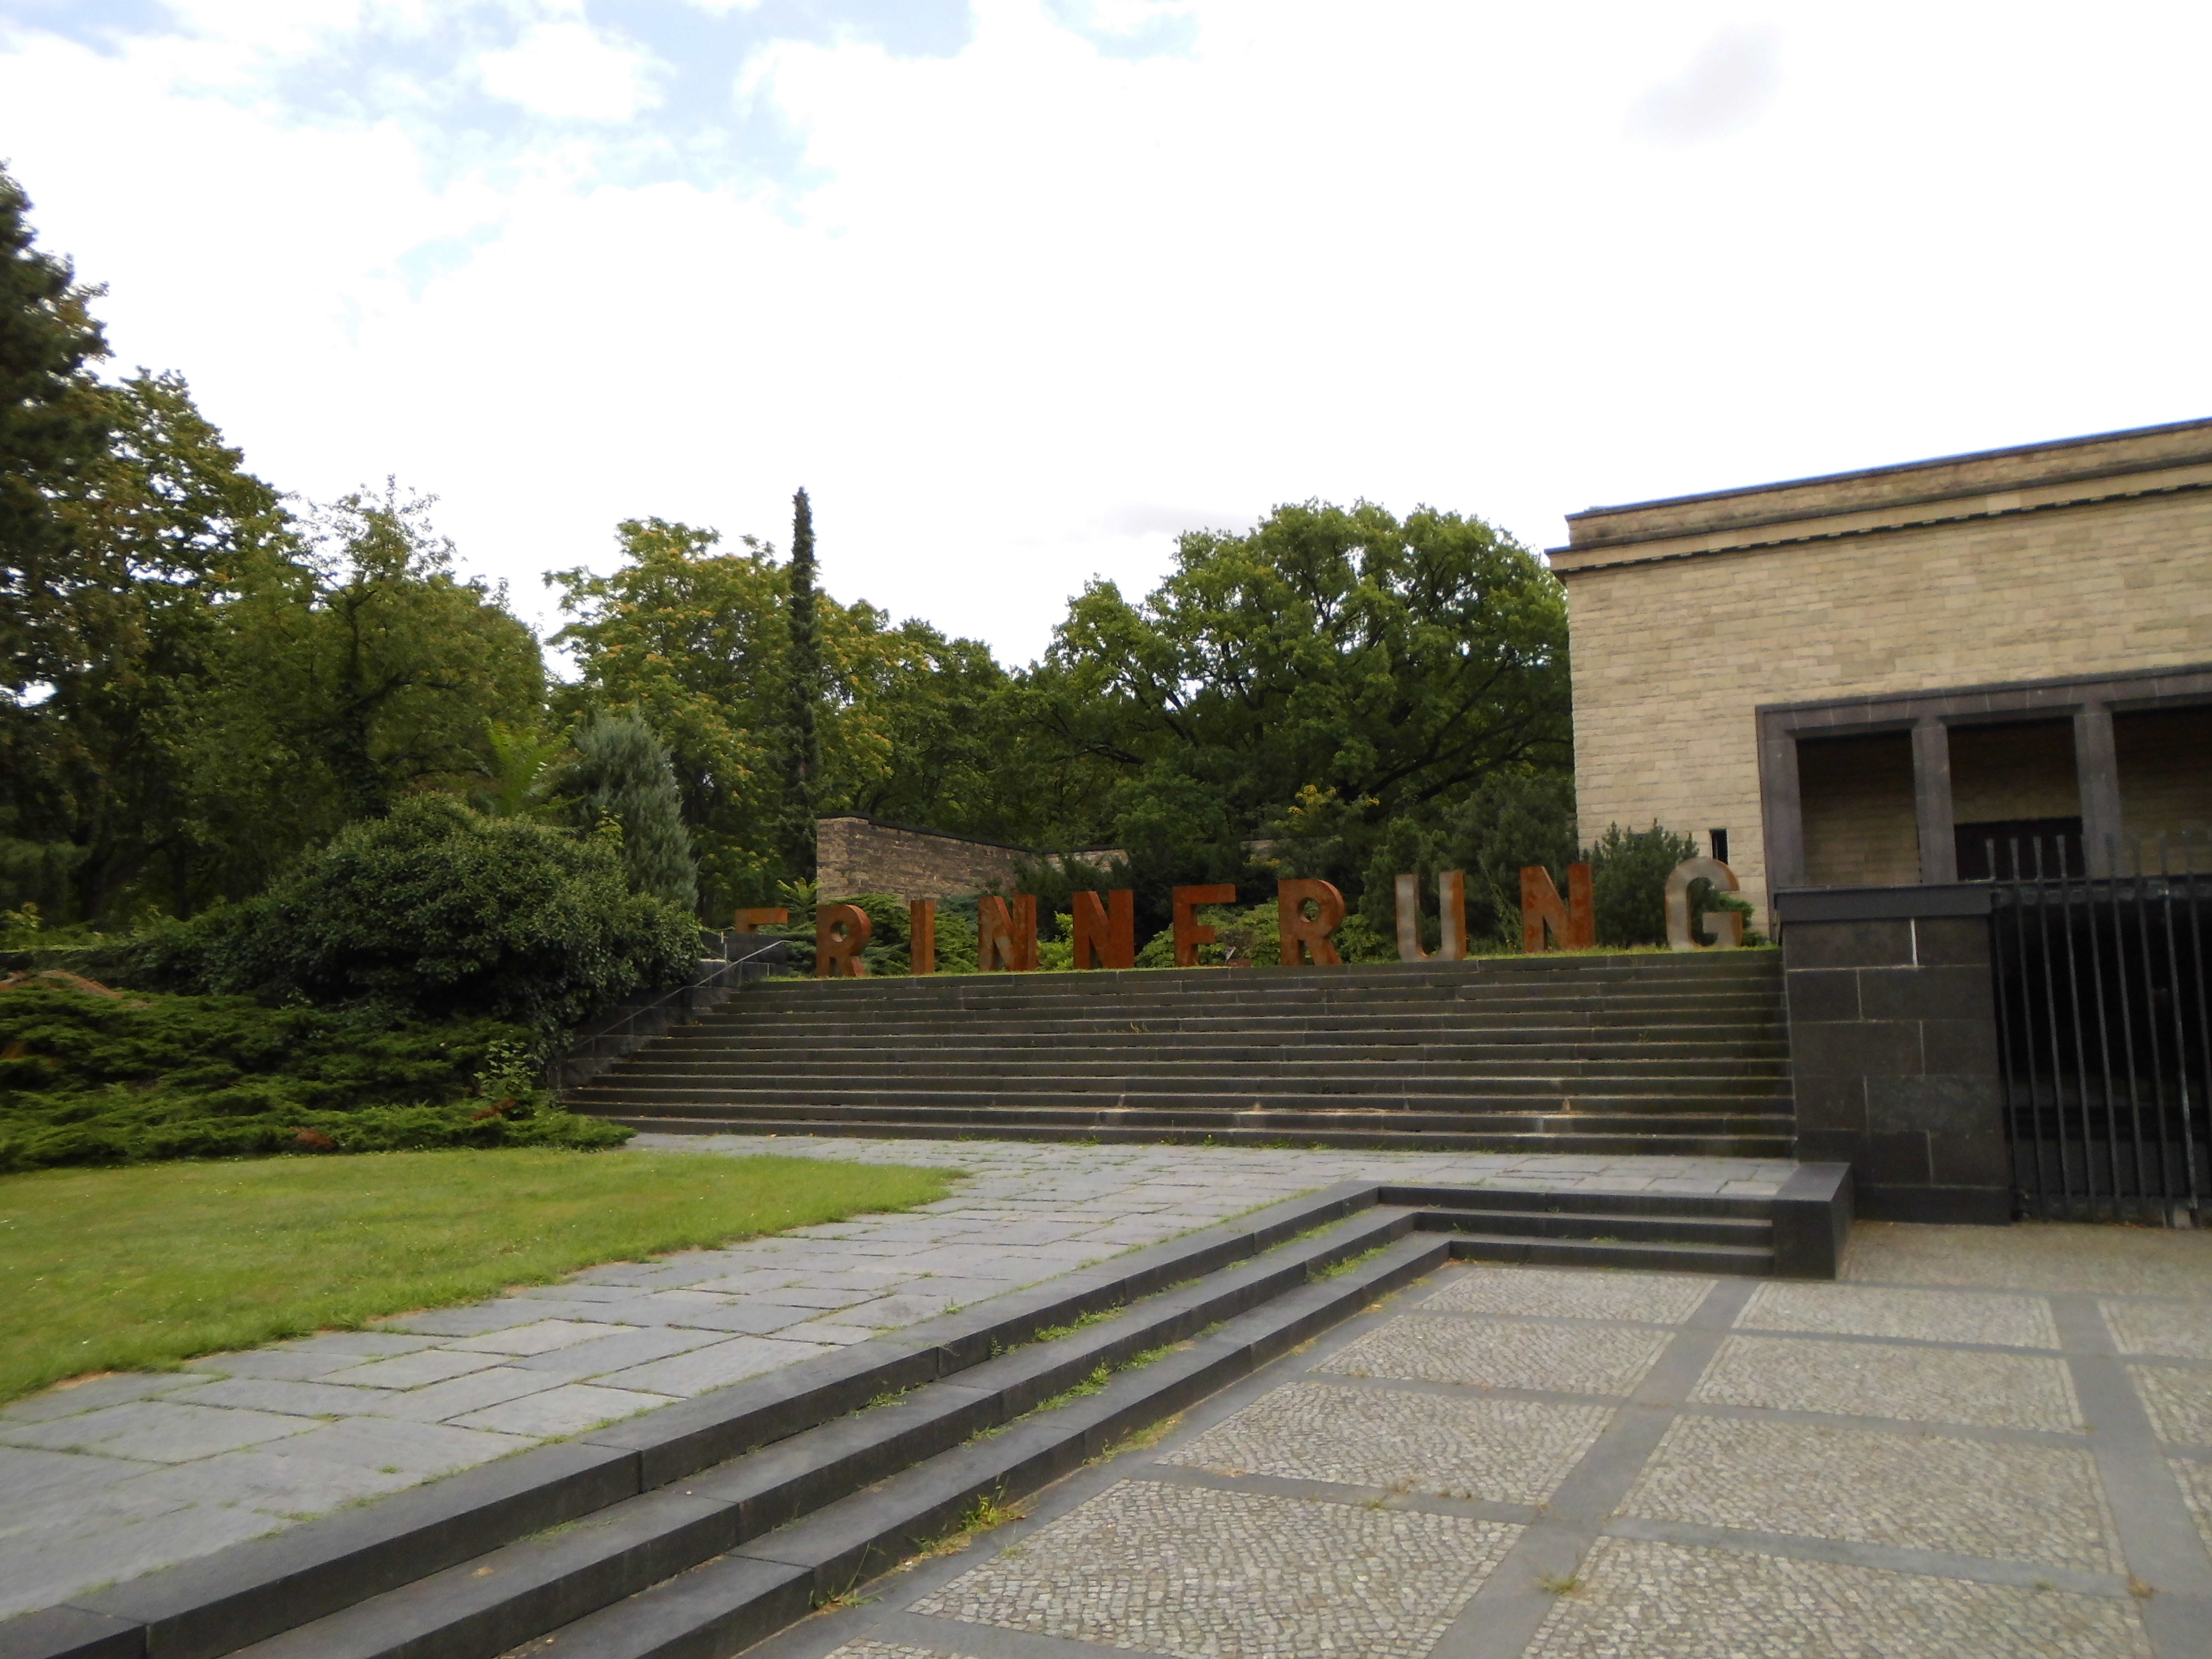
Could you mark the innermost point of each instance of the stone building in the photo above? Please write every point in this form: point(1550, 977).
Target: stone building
point(1867, 678)
point(854, 853)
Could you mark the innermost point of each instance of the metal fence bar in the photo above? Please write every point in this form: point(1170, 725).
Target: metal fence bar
point(2180, 1039)
point(2005, 924)
point(2101, 991)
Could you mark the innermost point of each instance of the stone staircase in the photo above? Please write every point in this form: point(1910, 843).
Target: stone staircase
point(1595, 1054)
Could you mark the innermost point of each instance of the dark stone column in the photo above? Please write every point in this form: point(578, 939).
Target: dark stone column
point(1780, 807)
point(1893, 1049)
point(1931, 800)
point(2097, 779)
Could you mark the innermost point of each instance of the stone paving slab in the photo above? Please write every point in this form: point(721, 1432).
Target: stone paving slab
point(1857, 1515)
point(445, 1389)
point(1665, 1601)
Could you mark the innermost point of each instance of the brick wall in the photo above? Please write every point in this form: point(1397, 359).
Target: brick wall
point(1679, 636)
point(855, 855)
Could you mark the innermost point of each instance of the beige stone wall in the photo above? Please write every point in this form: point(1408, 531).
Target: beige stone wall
point(854, 854)
point(1672, 656)
point(2019, 771)
point(2166, 777)
point(1860, 830)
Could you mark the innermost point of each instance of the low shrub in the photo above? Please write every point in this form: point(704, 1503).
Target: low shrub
point(87, 1076)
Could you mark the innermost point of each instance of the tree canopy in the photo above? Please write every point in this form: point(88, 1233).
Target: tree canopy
point(211, 686)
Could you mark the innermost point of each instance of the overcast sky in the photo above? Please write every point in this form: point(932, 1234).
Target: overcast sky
point(1018, 288)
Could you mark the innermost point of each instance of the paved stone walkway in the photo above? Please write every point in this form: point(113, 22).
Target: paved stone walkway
point(120, 1476)
point(1986, 1441)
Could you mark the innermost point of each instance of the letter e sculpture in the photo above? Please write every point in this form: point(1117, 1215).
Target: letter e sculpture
point(1451, 914)
point(839, 931)
point(1304, 937)
point(1573, 924)
point(1005, 940)
point(759, 916)
point(1188, 933)
point(1724, 927)
point(1106, 934)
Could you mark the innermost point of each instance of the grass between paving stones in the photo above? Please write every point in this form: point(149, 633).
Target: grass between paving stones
point(141, 1268)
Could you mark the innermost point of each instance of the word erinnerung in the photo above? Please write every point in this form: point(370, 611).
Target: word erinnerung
point(1105, 925)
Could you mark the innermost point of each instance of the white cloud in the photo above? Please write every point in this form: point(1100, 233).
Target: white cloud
point(1016, 303)
point(1724, 89)
point(571, 70)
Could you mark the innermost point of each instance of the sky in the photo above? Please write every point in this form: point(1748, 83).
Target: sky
point(1019, 289)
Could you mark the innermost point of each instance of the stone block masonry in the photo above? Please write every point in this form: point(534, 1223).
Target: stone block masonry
point(2084, 557)
point(854, 853)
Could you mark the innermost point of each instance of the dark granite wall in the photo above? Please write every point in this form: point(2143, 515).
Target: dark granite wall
point(1892, 1042)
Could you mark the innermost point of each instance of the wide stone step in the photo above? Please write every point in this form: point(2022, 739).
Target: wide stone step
point(768, 1046)
point(1061, 1075)
point(1279, 1130)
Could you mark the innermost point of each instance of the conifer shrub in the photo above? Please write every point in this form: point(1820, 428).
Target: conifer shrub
point(92, 1077)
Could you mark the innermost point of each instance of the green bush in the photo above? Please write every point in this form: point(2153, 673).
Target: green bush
point(92, 1079)
point(1628, 878)
point(621, 778)
point(435, 911)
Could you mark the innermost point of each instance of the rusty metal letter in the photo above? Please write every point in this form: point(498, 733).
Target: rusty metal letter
point(1451, 916)
point(1188, 934)
point(839, 931)
point(1724, 927)
point(1106, 933)
point(1005, 940)
point(1573, 924)
point(921, 936)
point(1308, 937)
point(759, 916)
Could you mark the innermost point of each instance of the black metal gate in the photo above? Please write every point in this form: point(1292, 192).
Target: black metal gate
point(2103, 1017)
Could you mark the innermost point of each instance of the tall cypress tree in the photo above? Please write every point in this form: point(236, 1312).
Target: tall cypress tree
point(805, 737)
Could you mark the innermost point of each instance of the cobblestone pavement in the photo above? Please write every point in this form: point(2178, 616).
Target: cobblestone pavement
point(1985, 1442)
point(119, 1475)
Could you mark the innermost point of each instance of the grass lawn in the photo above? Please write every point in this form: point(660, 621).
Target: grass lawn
point(141, 1268)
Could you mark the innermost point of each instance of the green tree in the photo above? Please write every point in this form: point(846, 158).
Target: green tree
point(162, 529)
point(1335, 660)
point(343, 680)
point(803, 779)
point(54, 424)
point(694, 638)
point(621, 775)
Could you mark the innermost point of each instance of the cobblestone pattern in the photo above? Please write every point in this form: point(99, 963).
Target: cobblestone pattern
point(865, 1649)
point(2017, 1322)
point(1497, 1353)
point(1877, 1379)
point(1505, 1451)
point(1664, 1601)
point(1574, 1293)
point(2038, 1257)
point(118, 1476)
point(2195, 1480)
point(1922, 1491)
point(1200, 1573)
point(2180, 1330)
point(2180, 1403)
